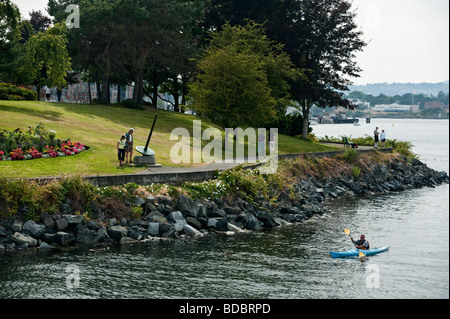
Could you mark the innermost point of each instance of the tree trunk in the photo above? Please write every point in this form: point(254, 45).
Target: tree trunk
point(99, 90)
point(138, 92)
point(89, 87)
point(38, 88)
point(176, 95)
point(306, 109)
point(183, 93)
point(155, 90)
point(118, 89)
point(105, 88)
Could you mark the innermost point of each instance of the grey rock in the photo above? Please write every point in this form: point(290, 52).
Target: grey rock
point(222, 224)
point(156, 217)
point(87, 237)
point(194, 222)
point(235, 228)
point(217, 213)
point(33, 229)
point(266, 218)
point(187, 206)
point(102, 233)
point(164, 227)
point(212, 222)
point(21, 239)
point(3, 231)
point(61, 224)
point(73, 219)
point(117, 232)
point(191, 231)
point(153, 229)
point(17, 225)
point(179, 226)
point(47, 220)
point(64, 239)
point(177, 217)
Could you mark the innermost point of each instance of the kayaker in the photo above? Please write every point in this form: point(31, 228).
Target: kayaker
point(362, 243)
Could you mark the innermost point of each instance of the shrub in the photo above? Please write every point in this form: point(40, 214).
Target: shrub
point(350, 155)
point(130, 104)
point(356, 172)
point(13, 93)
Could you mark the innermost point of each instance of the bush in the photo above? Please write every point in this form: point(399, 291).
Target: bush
point(350, 155)
point(291, 124)
point(356, 172)
point(130, 104)
point(13, 93)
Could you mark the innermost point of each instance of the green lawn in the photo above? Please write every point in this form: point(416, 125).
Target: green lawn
point(99, 127)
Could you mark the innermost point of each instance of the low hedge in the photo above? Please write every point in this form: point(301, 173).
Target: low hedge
point(13, 93)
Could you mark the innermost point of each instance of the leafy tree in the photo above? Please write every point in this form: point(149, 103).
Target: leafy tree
point(47, 61)
point(320, 36)
point(233, 87)
point(9, 35)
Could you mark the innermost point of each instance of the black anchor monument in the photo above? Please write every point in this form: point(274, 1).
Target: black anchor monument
point(148, 157)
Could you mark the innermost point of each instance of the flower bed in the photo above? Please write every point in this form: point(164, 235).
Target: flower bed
point(34, 143)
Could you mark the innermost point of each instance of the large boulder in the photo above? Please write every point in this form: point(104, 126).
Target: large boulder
point(61, 224)
point(73, 219)
point(153, 229)
point(47, 220)
point(177, 217)
point(191, 231)
point(117, 232)
point(88, 237)
point(187, 206)
point(21, 239)
point(33, 229)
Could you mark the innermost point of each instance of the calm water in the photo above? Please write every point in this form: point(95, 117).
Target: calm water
point(287, 263)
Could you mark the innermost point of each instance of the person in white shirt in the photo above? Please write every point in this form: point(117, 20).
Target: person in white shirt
point(383, 138)
point(48, 93)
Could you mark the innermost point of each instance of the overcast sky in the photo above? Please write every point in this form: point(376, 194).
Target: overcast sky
point(409, 39)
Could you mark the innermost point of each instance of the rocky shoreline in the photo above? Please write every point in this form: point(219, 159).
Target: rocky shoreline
point(167, 218)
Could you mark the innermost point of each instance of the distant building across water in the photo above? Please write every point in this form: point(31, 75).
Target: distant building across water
point(389, 108)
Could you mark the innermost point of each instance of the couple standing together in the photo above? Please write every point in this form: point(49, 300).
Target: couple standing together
point(378, 137)
point(125, 147)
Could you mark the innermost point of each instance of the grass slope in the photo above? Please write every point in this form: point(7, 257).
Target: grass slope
point(99, 127)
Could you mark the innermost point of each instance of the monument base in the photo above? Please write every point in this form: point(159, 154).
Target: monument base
point(145, 160)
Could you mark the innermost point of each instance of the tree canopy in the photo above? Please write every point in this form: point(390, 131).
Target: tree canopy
point(242, 78)
point(320, 36)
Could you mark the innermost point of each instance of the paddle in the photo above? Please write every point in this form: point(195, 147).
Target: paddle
point(347, 231)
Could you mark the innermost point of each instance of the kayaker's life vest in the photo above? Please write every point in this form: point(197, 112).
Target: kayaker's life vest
point(358, 242)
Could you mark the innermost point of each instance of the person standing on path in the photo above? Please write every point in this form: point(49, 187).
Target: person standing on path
point(383, 138)
point(376, 137)
point(261, 144)
point(121, 148)
point(129, 146)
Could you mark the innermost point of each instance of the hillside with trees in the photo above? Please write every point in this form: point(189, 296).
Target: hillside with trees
point(304, 53)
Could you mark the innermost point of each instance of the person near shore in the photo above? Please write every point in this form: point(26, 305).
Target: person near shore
point(362, 243)
point(121, 145)
point(271, 141)
point(261, 144)
point(129, 146)
point(383, 138)
point(48, 93)
point(376, 136)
